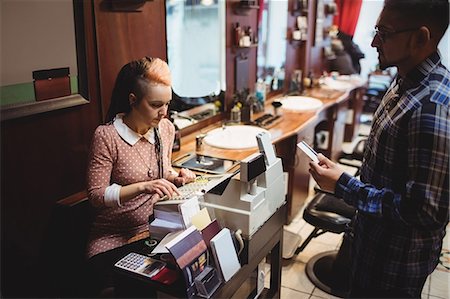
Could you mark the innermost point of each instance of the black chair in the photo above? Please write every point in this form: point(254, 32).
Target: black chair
point(329, 270)
point(352, 155)
point(377, 86)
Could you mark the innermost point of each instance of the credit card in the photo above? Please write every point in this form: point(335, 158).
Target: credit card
point(309, 151)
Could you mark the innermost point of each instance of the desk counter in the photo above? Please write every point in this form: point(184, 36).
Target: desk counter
point(267, 241)
point(293, 128)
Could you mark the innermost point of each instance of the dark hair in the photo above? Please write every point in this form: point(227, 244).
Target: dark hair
point(130, 79)
point(431, 13)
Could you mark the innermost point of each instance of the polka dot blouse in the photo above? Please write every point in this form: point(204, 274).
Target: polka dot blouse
point(115, 161)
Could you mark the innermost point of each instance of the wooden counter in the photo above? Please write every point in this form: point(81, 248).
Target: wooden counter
point(293, 128)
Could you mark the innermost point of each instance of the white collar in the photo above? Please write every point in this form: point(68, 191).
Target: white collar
point(130, 136)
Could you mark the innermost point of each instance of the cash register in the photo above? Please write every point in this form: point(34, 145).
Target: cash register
point(248, 199)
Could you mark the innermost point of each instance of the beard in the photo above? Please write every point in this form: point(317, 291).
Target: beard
point(382, 62)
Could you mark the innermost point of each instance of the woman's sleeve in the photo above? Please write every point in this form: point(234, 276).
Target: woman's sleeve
point(100, 167)
point(168, 135)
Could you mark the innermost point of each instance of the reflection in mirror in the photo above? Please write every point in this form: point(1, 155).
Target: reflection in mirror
point(38, 51)
point(272, 29)
point(196, 57)
point(43, 57)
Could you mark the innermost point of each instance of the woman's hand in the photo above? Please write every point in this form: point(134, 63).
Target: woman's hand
point(162, 187)
point(326, 173)
point(185, 176)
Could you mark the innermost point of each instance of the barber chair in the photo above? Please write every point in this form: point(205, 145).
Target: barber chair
point(377, 86)
point(353, 152)
point(330, 270)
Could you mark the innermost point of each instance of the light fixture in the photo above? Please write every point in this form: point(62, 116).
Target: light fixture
point(207, 2)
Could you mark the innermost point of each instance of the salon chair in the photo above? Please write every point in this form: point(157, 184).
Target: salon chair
point(377, 86)
point(353, 152)
point(329, 270)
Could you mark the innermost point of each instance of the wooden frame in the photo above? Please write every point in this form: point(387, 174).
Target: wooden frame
point(25, 109)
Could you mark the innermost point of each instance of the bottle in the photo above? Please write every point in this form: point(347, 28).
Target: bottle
point(237, 34)
point(274, 83)
point(260, 91)
point(236, 114)
point(250, 34)
point(308, 81)
point(177, 138)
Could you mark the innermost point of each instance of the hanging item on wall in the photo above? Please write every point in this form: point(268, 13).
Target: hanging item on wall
point(51, 83)
point(320, 17)
point(127, 5)
point(241, 73)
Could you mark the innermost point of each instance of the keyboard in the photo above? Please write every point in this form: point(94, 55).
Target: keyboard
point(189, 190)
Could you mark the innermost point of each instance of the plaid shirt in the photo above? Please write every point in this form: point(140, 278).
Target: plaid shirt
point(403, 196)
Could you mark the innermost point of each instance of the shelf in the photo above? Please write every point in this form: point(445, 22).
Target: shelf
point(299, 12)
point(243, 9)
point(244, 49)
point(297, 43)
point(127, 5)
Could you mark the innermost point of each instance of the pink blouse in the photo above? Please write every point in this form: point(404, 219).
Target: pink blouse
point(113, 160)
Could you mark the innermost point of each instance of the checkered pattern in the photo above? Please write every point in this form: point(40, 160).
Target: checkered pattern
point(403, 195)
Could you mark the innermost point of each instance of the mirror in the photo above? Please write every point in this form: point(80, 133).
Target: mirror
point(196, 57)
point(272, 55)
point(40, 69)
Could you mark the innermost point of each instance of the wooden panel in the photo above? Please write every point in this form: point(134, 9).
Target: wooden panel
point(125, 36)
point(250, 19)
point(315, 57)
point(295, 52)
point(355, 107)
point(43, 158)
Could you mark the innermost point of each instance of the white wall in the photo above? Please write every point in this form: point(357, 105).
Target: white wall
point(444, 48)
point(36, 34)
point(370, 10)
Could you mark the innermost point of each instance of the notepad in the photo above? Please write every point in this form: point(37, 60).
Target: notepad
point(188, 209)
point(224, 254)
point(201, 219)
point(212, 229)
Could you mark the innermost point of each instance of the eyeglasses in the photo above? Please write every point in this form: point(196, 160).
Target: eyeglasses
point(384, 34)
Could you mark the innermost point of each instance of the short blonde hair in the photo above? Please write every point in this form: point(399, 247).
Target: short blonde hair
point(157, 71)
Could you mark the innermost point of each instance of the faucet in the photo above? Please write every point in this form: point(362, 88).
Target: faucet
point(174, 114)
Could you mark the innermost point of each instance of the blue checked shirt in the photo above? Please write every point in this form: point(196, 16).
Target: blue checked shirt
point(403, 196)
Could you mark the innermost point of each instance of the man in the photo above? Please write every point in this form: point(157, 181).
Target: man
point(403, 196)
point(342, 61)
point(352, 49)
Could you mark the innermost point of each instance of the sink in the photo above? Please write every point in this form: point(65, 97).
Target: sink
point(340, 85)
point(301, 104)
point(233, 137)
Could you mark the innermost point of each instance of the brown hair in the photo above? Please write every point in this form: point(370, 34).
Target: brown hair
point(431, 13)
point(130, 79)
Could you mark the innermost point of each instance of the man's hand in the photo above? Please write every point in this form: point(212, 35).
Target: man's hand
point(326, 173)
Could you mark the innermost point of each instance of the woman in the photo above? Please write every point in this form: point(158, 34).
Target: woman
point(130, 162)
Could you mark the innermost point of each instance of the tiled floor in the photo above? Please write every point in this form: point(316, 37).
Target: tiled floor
point(295, 283)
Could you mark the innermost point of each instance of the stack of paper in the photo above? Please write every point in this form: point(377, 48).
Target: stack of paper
point(224, 254)
point(170, 218)
point(164, 223)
